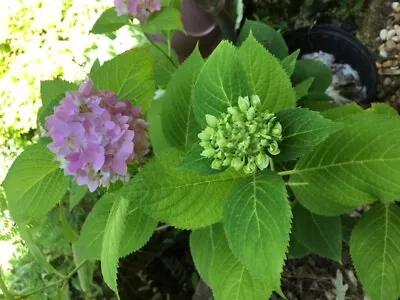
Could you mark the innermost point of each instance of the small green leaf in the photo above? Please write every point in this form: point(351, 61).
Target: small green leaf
point(112, 239)
point(302, 131)
point(267, 36)
point(77, 193)
point(129, 75)
point(63, 292)
point(220, 83)
point(179, 198)
point(52, 91)
point(139, 226)
point(167, 19)
point(34, 184)
point(303, 88)
point(321, 235)
point(289, 62)
point(109, 22)
point(306, 69)
point(257, 212)
point(95, 66)
point(296, 249)
point(375, 252)
point(318, 101)
point(172, 3)
point(196, 163)
point(221, 270)
point(177, 117)
point(266, 77)
point(348, 224)
point(355, 166)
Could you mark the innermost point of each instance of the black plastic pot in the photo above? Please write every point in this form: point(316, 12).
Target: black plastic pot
point(345, 47)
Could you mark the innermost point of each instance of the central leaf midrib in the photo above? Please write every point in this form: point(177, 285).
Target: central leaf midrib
point(297, 171)
point(191, 184)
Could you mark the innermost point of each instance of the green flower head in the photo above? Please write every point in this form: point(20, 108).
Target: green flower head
point(244, 137)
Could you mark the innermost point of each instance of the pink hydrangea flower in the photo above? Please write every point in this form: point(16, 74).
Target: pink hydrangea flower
point(137, 8)
point(95, 135)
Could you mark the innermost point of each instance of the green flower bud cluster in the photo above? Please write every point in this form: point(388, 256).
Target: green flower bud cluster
point(244, 137)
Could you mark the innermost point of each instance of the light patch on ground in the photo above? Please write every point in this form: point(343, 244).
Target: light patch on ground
point(7, 250)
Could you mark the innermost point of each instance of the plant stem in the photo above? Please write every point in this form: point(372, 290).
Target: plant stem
point(162, 51)
point(81, 264)
point(6, 293)
point(169, 47)
point(271, 162)
point(289, 172)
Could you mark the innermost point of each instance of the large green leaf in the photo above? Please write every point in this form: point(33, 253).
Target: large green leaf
point(92, 232)
point(302, 131)
point(301, 89)
point(139, 228)
point(374, 248)
point(268, 36)
point(129, 75)
point(158, 140)
point(182, 199)
point(196, 163)
point(289, 62)
point(220, 83)
point(34, 184)
point(321, 235)
point(112, 239)
point(356, 166)
point(164, 68)
point(266, 77)
point(318, 101)
point(177, 117)
point(306, 69)
point(257, 221)
point(167, 19)
point(109, 22)
point(221, 270)
point(52, 91)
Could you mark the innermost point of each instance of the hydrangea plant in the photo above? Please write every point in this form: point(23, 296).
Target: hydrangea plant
point(231, 138)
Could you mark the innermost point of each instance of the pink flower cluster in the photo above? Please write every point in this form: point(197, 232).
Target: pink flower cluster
point(95, 136)
point(137, 8)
